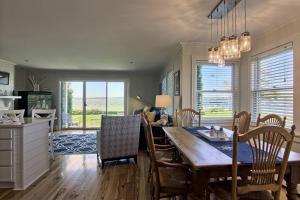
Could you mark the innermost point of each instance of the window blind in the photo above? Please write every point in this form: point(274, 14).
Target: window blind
point(215, 90)
point(272, 84)
point(164, 86)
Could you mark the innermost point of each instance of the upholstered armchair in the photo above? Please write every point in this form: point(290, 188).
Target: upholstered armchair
point(118, 138)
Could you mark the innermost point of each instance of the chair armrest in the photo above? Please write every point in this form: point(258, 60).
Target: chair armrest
point(167, 149)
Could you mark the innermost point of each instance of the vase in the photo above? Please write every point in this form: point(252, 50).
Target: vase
point(36, 87)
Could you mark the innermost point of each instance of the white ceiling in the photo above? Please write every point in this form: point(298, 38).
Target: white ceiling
point(110, 34)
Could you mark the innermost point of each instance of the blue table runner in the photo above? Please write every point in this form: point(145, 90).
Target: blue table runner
point(244, 150)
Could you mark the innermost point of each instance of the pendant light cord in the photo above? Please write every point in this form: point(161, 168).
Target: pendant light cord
point(245, 8)
point(235, 16)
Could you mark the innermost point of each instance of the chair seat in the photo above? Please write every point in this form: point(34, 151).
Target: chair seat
point(173, 179)
point(222, 190)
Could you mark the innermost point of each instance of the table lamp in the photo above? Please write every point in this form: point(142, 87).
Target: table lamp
point(162, 102)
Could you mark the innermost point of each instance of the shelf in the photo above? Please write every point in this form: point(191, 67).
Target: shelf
point(10, 97)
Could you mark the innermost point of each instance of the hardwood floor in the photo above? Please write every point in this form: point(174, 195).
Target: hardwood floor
point(78, 177)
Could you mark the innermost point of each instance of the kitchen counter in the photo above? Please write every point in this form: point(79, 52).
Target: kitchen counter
point(24, 155)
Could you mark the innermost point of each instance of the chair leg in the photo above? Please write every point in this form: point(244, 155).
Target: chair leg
point(149, 173)
point(135, 159)
point(102, 164)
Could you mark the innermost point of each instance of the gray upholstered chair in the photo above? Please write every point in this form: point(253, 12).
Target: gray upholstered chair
point(118, 138)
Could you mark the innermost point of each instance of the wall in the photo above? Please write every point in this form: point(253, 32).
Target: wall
point(145, 84)
point(9, 67)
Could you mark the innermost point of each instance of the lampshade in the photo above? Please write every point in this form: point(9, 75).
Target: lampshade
point(245, 42)
point(224, 45)
point(163, 101)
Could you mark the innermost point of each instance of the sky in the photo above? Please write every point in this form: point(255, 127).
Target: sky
point(98, 89)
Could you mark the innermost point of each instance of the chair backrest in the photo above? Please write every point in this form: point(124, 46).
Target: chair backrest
point(119, 136)
point(265, 142)
point(45, 114)
point(8, 114)
point(151, 148)
point(271, 120)
point(188, 117)
point(242, 121)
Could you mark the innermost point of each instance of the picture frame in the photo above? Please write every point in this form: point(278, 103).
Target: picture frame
point(177, 83)
point(4, 78)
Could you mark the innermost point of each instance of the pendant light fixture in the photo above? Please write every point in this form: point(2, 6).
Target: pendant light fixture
point(245, 39)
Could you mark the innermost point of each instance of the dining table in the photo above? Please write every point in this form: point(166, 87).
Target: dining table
point(208, 162)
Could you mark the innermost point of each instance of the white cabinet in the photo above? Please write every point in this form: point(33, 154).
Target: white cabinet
point(23, 153)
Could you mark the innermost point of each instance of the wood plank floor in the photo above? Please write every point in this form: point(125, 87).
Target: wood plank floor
point(78, 177)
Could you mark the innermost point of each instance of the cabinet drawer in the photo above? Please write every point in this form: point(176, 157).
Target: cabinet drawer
point(6, 174)
point(5, 133)
point(6, 158)
point(5, 144)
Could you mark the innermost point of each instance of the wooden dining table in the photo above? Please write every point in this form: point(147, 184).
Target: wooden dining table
point(208, 162)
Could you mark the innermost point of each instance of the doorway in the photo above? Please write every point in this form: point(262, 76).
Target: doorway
point(84, 102)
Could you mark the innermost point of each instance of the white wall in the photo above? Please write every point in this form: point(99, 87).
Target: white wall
point(9, 67)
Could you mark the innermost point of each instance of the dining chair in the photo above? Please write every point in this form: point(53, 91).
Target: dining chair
point(271, 120)
point(164, 152)
point(264, 179)
point(9, 114)
point(46, 114)
point(188, 117)
point(242, 121)
point(169, 179)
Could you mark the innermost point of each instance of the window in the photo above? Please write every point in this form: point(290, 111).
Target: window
point(215, 90)
point(272, 83)
point(164, 86)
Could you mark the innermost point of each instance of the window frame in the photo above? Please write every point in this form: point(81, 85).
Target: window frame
point(234, 90)
point(255, 89)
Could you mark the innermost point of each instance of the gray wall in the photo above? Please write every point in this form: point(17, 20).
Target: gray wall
point(145, 84)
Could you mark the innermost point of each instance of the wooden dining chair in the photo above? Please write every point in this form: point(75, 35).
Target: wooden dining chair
point(271, 120)
point(163, 152)
point(263, 174)
point(169, 179)
point(242, 121)
point(10, 114)
point(46, 114)
point(188, 117)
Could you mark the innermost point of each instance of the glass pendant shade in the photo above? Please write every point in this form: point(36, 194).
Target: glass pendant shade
point(234, 51)
point(211, 55)
point(224, 46)
point(218, 57)
point(245, 42)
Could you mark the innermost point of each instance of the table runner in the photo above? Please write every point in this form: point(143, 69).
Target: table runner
point(244, 150)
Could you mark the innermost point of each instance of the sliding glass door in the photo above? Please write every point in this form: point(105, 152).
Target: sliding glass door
point(84, 102)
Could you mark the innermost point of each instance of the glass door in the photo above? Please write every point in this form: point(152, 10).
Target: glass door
point(72, 104)
point(95, 103)
point(84, 102)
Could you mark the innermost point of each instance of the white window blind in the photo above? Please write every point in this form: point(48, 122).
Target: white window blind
point(272, 84)
point(215, 90)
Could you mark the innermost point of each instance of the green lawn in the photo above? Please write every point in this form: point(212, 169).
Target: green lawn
point(92, 120)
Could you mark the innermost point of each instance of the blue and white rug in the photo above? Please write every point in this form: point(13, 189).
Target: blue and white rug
point(74, 144)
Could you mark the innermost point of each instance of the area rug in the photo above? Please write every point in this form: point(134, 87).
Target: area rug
point(74, 144)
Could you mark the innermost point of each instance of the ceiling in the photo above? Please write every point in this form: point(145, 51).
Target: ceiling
point(115, 34)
